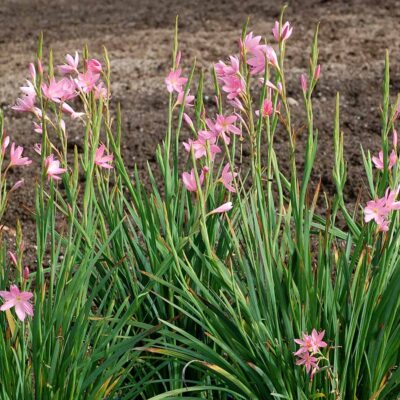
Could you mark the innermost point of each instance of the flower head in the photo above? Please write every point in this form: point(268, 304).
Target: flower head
point(250, 43)
point(189, 179)
point(16, 158)
point(94, 66)
point(174, 81)
point(379, 162)
point(19, 300)
point(285, 34)
point(87, 81)
point(101, 160)
point(71, 66)
point(224, 126)
point(227, 177)
point(53, 169)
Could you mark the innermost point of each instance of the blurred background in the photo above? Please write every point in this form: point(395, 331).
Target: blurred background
point(138, 35)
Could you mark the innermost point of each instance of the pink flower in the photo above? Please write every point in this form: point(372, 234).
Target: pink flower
point(29, 90)
point(189, 180)
point(19, 300)
point(305, 343)
point(100, 91)
point(16, 158)
point(285, 33)
point(304, 83)
point(59, 91)
point(308, 361)
point(394, 138)
point(199, 146)
point(379, 209)
point(316, 341)
point(87, 81)
point(224, 126)
point(188, 101)
point(234, 86)
point(223, 208)
point(257, 62)
point(227, 177)
point(223, 70)
point(376, 210)
point(250, 43)
point(101, 160)
point(378, 161)
point(68, 110)
point(174, 81)
point(267, 109)
point(53, 169)
point(71, 66)
point(26, 273)
point(26, 104)
point(94, 66)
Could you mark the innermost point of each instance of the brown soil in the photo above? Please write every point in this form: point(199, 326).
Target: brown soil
point(138, 35)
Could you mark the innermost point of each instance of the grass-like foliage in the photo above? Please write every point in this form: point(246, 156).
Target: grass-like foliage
point(221, 280)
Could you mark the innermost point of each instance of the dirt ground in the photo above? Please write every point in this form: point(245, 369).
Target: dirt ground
point(138, 35)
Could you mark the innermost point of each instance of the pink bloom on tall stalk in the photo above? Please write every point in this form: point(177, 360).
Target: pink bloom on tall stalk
point(223, 70)
point(29, 90)
point(101, 160)
point(71, 66)
point(87, 81)
point(267, 110)
point(53, 169)
point(16, 158)
point(188, 101)
point(19, 300)
point(199, 146)
point(94, 66)
point(378, 161)
point(224, 126)
point(310, 345)
point(227, 177)
point(100, 91)
point(174, 81)
point(378, 210)
point(264, 53)
point(189, 179)
point(285, 33)
point(234, 86)
point(250, 43)
point(62, 90)
point(309, 362)
point(26, 104)
point(222, 208)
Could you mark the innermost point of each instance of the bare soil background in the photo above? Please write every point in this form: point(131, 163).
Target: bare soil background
point(138, 35)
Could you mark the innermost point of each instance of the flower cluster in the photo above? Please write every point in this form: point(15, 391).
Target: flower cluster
point(378, 210)
point(74, 83)
point(309, 353)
